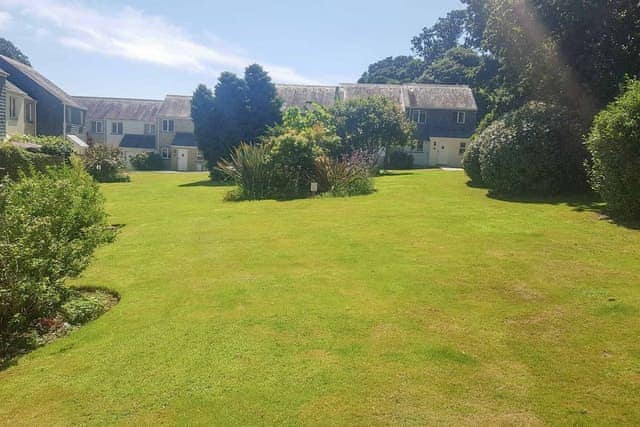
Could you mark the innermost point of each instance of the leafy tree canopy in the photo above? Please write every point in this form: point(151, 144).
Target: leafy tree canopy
point(371, 124)
point(399, 69)
point(9, 50)
point(237, 110)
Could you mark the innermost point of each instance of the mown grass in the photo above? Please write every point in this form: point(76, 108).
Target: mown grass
point(425, 303)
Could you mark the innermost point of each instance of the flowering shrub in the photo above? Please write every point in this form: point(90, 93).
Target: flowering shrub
point(104, 164)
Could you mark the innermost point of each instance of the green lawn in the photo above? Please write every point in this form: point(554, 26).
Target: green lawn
point(427, 302)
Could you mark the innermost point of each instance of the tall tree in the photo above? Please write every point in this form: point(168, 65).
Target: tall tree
point(238, 110)
point(445, 34)
point(202, 105)
point(264, 106)
point(9, 50)
point(399, 69)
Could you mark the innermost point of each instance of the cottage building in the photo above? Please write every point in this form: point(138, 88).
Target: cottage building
point(445, 117)
point(59, 114)
point(178, 145)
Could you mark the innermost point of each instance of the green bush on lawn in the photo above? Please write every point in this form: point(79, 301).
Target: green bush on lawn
point(614, 144)
point(51, 223)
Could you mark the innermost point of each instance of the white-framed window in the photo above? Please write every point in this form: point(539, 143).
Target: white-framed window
point(13, 110)
point(165, 152)
point(149, 129)
point(117, 128)
point(461, 117)
point(200, 156)
point(463, 148)
point(168, 125)
point(420, 147)
point(419, 116)
point(29, 113)
point(97, 126)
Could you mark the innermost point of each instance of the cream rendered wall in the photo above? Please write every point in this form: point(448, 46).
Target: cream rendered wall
point(16, 126)
point(131, 127)
point(446, 151)
point(193, 164)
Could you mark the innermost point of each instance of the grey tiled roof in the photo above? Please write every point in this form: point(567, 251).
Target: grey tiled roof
point(439, 97)
point(176, 106)
point(185, 140)
point(358, 91)
point(138, 141)
point(41, 81)
point(302, 95)
point(120, 108)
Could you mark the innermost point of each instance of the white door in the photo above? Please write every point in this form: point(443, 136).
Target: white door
point(442, 154)
point(183, 159)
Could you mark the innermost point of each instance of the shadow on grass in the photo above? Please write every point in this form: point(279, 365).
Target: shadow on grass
point(586, 202)
point(394, 173)
point(208, 183)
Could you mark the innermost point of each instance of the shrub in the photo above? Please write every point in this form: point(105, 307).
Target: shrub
point(471, 163)
point(104, 164)
point(51, 224)
point(372, 124)
point(147, 162)
point(51, 145)
point(292, 157)
point(533, 150)
point(15, 161)
point(347, 177)
point(249, 167)
point(614, 143)
point(400, 159)
point(81, 309)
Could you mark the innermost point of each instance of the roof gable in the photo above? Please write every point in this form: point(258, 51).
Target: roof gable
point(176, 106)
point(41, 81)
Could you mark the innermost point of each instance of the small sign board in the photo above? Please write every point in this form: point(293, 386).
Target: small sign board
point(314, 187)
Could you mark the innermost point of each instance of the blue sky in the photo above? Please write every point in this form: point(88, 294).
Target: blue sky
point(146, 48)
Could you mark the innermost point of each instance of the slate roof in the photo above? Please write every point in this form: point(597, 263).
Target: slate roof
point(40, 80)
point(120, 108)
point(138, 141)
point(439, 97)
point(176, 106)
point(15, 89)
point(302, 95)
point(414, 95)
point(185, 140)
point(358, 91)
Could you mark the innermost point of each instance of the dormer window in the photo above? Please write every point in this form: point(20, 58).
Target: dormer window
point(461, 117)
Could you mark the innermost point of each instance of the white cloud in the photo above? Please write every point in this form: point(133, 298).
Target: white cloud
point(5, 19)
point(136, 35)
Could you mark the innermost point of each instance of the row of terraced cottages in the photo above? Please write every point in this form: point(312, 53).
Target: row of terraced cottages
point(445, 116)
